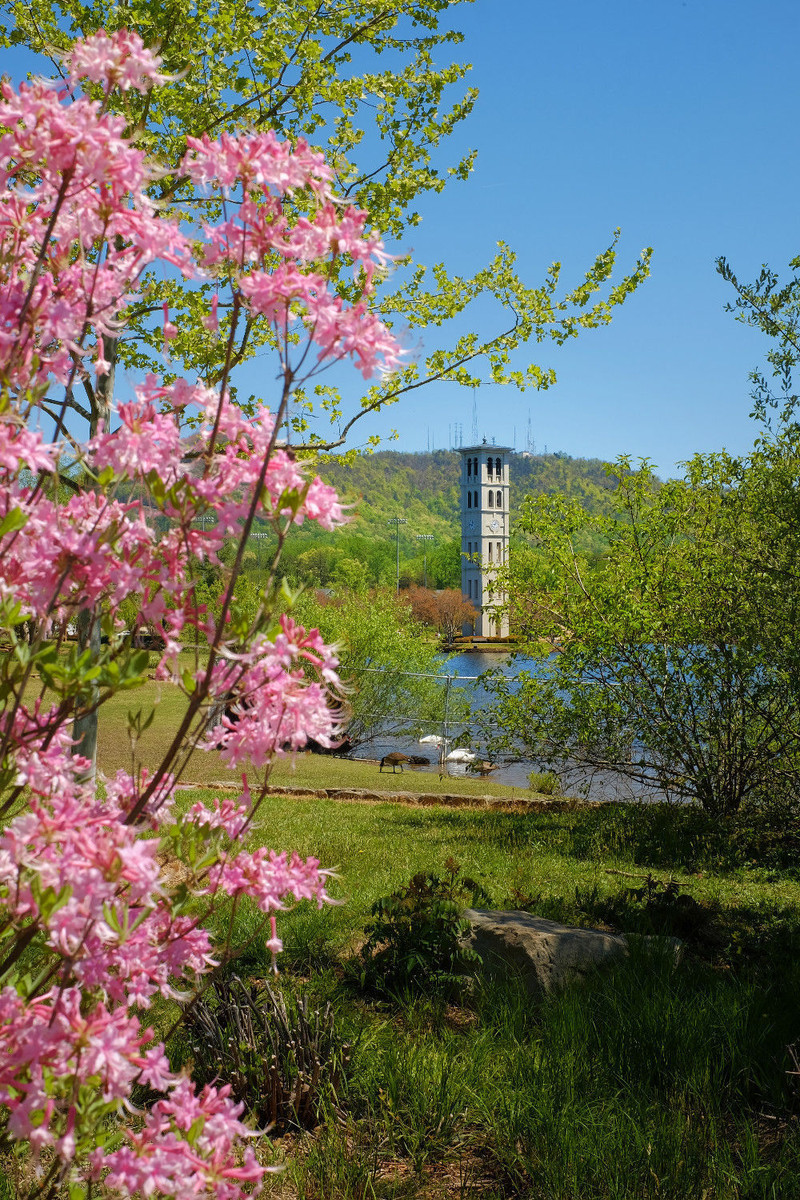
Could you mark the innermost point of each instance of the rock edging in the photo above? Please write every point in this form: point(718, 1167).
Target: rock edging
point(427, 799)
point(423, 799)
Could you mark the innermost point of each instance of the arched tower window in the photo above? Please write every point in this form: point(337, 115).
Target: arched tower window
point(469, 499)
point(475, 467)
point(498, 468)
point(499, 501)
point(475, 500)
point(490, 551)
point(491, 498)
point(490, 466)
point(469, 467)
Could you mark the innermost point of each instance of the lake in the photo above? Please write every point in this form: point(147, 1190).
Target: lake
point(512, 771)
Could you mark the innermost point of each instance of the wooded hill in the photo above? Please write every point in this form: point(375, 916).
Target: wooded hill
point(423, 489)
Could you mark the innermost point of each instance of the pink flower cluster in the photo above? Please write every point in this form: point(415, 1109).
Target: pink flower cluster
point(189, 1145)
point(105, 912)
point(120, 60)
point(56, 1058)
point(93, 549)
point(267, 877)
point(54, 1042)
point(261, 231)
point(80, 887)
point(76, 230)
point(277, 710)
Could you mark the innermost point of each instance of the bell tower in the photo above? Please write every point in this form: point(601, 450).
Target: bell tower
point(485, 490)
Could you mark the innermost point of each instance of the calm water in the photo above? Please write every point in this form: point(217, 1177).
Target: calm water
point(512, 772)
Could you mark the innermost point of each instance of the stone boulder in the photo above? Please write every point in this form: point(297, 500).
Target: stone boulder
point(545, 954)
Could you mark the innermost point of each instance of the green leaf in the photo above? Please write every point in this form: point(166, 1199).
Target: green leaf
point(13, 520)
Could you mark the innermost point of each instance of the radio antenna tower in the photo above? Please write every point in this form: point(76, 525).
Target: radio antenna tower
point(530, 444)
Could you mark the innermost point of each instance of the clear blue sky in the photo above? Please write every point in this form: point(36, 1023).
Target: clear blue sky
point(673, 119)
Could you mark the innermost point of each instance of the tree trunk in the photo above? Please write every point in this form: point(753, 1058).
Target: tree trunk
point(84, 730)
point(103, 392)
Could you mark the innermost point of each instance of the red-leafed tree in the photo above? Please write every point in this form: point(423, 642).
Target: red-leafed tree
point(448, 610)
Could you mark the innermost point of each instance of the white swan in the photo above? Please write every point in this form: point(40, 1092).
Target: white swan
point(462, 756)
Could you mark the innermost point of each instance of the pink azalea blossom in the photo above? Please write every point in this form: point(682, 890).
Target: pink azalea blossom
point(270, 878)
point(80, 871)
point(120, 60)
point(158, 1159)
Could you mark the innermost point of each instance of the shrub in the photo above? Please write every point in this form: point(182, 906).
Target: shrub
point(415, 942)
point(656, 907)
point(546, 783)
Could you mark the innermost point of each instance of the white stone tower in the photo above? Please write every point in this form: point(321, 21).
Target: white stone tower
point(484, 531)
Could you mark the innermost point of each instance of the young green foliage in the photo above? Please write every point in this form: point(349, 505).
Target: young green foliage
point(374, 85)
point(773, 307)
point(677, 660)
point(415, 939)
point(388, 665)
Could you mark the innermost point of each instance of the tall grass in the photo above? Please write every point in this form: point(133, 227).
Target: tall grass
point(650, 1082)
point(647, 1082)
point(653, 1080)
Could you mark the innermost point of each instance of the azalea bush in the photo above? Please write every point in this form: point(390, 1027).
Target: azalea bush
point(92, 930)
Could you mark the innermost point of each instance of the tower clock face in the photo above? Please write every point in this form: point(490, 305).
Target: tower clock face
point(473, 525)
point(494, 525)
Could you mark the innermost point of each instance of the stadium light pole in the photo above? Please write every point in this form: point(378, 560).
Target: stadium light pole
point(259, 537)
point(397, 522)
point(425, 537)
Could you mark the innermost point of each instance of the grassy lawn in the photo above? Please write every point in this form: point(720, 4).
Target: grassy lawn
point(653, 1080)
point(116, 751)
point(650, 1081)
point(322, 771)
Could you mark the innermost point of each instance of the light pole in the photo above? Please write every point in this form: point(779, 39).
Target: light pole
point(259, 537)
point(397, 522)
point(425, 537)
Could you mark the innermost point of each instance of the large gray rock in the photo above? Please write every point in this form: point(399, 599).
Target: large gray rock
point(543, 953)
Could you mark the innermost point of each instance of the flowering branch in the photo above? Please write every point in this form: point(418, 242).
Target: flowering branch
point(82, 894)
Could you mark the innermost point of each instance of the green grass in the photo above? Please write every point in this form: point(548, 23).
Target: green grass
point(323, 771)
point(652, 1081)
point(556, 851)
point(116, 751)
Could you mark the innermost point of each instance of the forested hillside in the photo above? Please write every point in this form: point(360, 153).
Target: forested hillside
point(424, 487)
point(423, 490)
